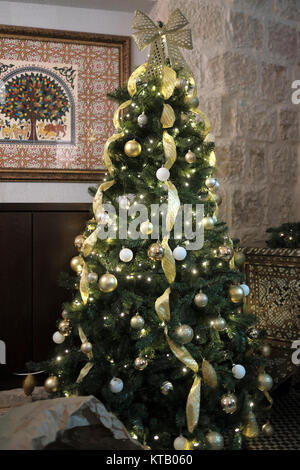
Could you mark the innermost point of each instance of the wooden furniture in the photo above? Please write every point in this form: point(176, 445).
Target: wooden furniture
point(37, 242)
point(273, 276)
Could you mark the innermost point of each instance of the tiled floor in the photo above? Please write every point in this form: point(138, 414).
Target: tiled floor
point(285, 420)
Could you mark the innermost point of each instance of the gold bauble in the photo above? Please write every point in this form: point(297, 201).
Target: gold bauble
point(184, 334)
point(229, 403)
point(86, 347)
point(236, 294)
point(251, 428)
point(267, 429)
point(64, 327)
point(218, 199)
point(155, 252)
point(146, 227)
point(137, 322)
point(208, 223)
point(190, 157)
point(76, 264)
point(264, 381)
point(225, 252)
point(132, 148)
point(140, 363)
point(200, 300)
point(108, 282)
point(29, 384)
point(79, 241)
point(51, 384)
point(239, 258)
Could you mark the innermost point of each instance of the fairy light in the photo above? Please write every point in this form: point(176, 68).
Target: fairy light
point(122, 314)
point(139, 276)
point(184, 370)
point(58, 358)
point(194, 271)
point(66, 351)
point(156, 437)
point(149, 279)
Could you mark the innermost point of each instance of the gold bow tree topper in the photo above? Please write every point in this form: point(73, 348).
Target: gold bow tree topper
point(170, 36)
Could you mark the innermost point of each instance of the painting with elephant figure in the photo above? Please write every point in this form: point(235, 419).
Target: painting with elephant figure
point(55, 116)
point(37, 103)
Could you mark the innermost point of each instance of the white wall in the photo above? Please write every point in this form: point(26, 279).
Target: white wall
point(73, 19)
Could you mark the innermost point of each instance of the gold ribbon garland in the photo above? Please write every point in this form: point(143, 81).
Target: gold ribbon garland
point(84, 284)
point(116, 118)
point(193, 405)
point(85, 370)
point(168, 116)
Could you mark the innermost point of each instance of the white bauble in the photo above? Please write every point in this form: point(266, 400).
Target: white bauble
point(58, 338)
point(146, 227)
point(124, 202)
point(209, 138)
point(163, 174)
point(102, 217)
point(116, 385)
point(180, 442)
point(179, 253)
point(238, 371)
point(126, 255)
point(245, 289)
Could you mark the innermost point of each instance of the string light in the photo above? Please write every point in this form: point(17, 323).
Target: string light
point(156, 437)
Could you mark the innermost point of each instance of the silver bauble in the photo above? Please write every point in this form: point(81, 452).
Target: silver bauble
point(86, 347)
point(210, 182)
point(140, 363)
point(181, 83)
point(200, 299)
point(219, 324)
point(229, 403)
point(190, 157)
point(184, 334)
point(166, 387)
point(137, 322)
point(265, 382)
point(92, 277)
point(253, 333)
point(215, 440)
point(192, 101)
point(267, 429)
point(142, 120)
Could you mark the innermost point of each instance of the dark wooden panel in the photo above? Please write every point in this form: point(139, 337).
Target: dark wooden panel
point(16, 288)
point(53, 247)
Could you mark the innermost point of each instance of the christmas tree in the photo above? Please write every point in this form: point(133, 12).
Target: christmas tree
point(158, 327)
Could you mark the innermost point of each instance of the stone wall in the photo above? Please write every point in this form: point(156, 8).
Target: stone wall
point(245, 58)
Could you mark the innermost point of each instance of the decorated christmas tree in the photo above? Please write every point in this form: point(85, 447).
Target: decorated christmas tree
point(158, 327)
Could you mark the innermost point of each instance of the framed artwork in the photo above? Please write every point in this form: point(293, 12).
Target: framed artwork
point(54, 113)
